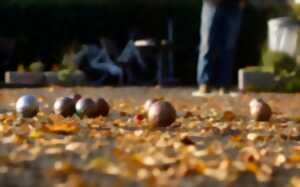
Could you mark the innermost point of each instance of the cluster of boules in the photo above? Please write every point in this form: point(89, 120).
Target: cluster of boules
point(159, 113)
point(27, 106)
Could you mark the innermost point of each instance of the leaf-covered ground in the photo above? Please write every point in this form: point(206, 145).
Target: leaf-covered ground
point(213, 142)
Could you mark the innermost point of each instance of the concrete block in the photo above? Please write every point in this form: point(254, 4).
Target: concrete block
point(251, 80)
point(77, 78)
point(24, 78)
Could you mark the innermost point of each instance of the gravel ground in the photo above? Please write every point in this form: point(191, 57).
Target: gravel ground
point(213, 143)
point(287, 104)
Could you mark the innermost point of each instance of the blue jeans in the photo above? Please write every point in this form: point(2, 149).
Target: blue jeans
point(219, 32)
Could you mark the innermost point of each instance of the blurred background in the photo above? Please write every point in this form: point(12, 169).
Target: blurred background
point(44, 31)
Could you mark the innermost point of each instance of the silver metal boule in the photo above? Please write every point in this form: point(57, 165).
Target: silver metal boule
point(148, 103)
point(64, 106)
point(86, 107)
point(27, 106)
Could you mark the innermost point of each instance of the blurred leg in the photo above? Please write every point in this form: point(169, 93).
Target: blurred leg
point(229, 21)
point(108, 67)
point(205, 60)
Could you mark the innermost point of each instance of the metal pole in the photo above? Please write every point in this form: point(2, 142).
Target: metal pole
point(170, 51)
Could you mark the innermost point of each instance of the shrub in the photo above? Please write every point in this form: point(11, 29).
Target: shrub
point(64, 74)
point(280, 62)
point(296, 10)
point(68, 61)
point(36, 67)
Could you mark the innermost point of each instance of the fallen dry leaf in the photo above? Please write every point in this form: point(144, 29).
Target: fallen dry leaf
point(66, 127)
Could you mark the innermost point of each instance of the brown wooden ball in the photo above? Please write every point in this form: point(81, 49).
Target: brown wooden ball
point(161, 114)
point(102, 107)
point(86, 107)
point(260, 110)
point(64, 106)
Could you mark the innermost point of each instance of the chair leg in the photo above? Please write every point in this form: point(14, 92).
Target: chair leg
point(101, 80)
point(121, 79)
point(159, 73)
point(130, 77)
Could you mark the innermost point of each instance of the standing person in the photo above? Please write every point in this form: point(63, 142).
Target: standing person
point(220, 26)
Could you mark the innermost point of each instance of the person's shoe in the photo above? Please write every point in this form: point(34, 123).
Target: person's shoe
point(227, 91)
point(203, 90)
point(223, 91)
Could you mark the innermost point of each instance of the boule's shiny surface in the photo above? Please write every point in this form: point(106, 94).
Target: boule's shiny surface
point(64, 106)
point(27, 106)
point(260, 110)
point(161, 114)
point(102, 107)
point(86, 107)
point(148, 103)
point(76, 97)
